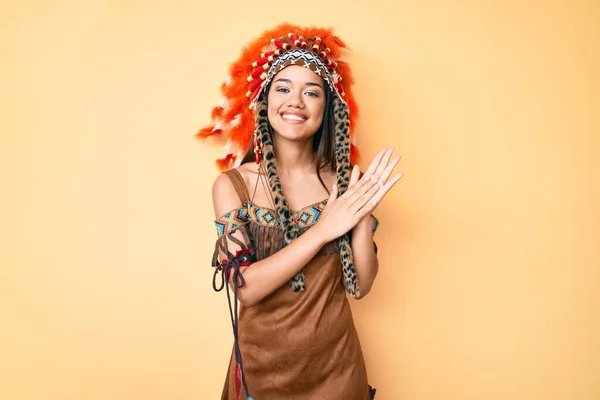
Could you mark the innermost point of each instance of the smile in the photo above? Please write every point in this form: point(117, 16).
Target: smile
point(293, 117)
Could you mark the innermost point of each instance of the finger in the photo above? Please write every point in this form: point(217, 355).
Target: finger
point(377, 197)
point(362, 190)
point(358, 188)
point(332, 195)
point(373, 166)
point(384, 162)
point(388, 171)
point(365, 198)
point(355, 176)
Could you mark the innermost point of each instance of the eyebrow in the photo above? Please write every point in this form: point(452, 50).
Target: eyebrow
point(307, 83)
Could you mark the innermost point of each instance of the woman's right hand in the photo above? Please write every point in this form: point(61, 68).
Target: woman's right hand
point(342, 213)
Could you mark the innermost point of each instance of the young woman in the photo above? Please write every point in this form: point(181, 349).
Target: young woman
point(294, 220)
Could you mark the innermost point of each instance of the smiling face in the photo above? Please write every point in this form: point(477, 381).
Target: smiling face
point(296, 103)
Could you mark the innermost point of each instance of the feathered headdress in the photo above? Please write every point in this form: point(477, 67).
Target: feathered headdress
point(234, 118)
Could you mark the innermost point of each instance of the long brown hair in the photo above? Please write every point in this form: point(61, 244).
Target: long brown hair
point(323, 139)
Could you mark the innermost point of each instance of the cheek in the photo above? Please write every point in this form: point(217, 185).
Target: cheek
point(272, 109)
point(318, 111)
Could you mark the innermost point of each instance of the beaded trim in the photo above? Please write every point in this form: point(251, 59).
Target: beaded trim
point(304, 218)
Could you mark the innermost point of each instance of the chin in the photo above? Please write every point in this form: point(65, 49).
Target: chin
point(293, 135)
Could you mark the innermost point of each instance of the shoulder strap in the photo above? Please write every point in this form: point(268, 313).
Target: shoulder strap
point(239, 185)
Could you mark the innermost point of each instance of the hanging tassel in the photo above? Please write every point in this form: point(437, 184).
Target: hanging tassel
point(256, 150)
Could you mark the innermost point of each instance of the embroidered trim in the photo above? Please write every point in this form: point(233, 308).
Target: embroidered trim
point(304, 218)
point(230, 221)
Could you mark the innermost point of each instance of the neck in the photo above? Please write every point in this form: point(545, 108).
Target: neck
point(294, 157)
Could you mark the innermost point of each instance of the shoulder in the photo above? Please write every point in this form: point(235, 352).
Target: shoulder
point(224, 196)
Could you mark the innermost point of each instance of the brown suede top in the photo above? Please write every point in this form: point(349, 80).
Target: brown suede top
point(296, 345)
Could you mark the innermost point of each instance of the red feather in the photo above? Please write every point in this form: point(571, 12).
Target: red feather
point(207, 132)
point(225, 163)
point(216, 112)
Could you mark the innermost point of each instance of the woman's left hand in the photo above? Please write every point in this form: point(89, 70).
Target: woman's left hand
point(380, 169)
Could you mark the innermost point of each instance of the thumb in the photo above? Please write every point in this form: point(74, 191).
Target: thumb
point(354, 176)
point(333, 194)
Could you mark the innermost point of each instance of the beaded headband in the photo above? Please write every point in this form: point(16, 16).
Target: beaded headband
point(303, 58)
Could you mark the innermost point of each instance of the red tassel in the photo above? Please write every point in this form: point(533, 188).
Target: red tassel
point(354, 154)
point(238, 381)
point(256, 151)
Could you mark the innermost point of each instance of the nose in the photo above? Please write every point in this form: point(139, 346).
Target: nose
point(296, 100)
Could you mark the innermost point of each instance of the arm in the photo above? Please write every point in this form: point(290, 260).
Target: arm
point(267, 275)
point(365, 258)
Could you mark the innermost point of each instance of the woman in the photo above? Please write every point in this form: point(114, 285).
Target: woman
point(288, 247)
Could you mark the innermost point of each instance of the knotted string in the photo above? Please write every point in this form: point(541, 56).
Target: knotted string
point(232, 263)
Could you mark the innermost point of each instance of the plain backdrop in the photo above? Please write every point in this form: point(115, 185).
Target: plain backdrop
point(489, 280)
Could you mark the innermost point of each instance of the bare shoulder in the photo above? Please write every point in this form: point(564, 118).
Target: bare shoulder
point(224, 196)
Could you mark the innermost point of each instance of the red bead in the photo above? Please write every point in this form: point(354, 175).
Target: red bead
point(280, 44)
point(317, 45)
point(303, 43)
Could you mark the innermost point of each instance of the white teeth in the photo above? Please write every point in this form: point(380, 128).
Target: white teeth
point(294, 117)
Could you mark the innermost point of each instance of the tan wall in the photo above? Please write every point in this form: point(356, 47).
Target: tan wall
point(489, 245)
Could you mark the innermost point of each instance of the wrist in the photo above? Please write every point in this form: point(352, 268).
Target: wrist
point(315, 236)
point(365, 223)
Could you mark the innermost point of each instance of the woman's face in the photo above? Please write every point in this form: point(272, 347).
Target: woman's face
point(296, 103)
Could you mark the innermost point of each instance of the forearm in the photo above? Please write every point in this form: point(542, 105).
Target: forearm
point(265, 276)
point(366, 263)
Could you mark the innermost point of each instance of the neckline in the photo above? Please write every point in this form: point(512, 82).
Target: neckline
point(300, 211)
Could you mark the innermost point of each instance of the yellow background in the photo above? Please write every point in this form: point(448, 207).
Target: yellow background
point(490, 265)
